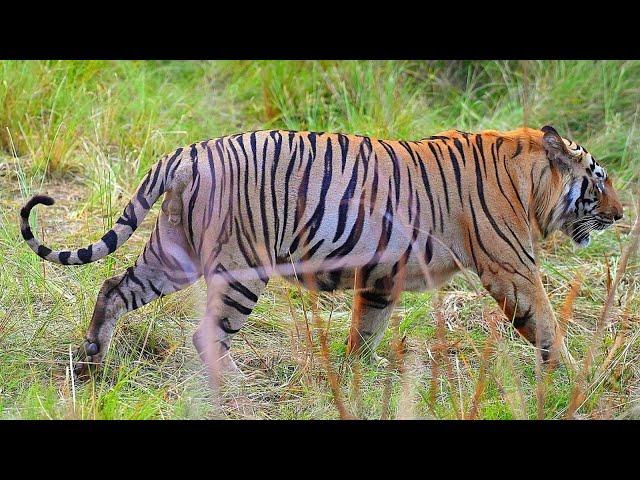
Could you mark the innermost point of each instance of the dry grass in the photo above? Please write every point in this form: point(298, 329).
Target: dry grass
point(85, 133)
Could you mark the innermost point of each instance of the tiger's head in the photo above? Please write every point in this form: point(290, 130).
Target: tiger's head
point(588, 200)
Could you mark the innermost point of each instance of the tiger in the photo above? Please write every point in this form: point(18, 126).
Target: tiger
point(333, 211)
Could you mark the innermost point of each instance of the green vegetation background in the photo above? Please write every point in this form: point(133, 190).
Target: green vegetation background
point(86, 133)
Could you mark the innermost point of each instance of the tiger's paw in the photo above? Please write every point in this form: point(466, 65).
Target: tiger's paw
point(552, 357)
point(87, 358)
point(228, 369)
point(223, 372)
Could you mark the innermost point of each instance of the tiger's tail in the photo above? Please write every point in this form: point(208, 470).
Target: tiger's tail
point(150, 189)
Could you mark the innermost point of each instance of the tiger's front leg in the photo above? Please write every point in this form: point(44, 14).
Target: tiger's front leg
point(373, 303)
point(525, 303)
point(371, 312)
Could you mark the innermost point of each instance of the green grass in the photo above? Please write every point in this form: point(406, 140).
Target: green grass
point(86, 132)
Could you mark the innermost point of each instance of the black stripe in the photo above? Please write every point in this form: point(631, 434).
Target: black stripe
point(210, 204)
point(374, 300)
point(383, 241)
point(277, 138)
point(228, 225)
point(287, 178)
point(246, 190)
point(223, 177)
point(291, 136)
point(428, 249)
point(235, 284)
point(473, 253)
point(396, 168)
point(128, 217)
point(460, 148)
point(254, 155)
point(247, 202)
point(120, 294)
point(227, 300)
point(240, 140)
point(410, 187)
point(36, 200)
point(498, 144)
point(374, 186)
point(345, 203)
point(343, 140)
point(170, 162)
point(312, 141)
point(225, 325)
point(64, 257)
point(354, 234)
point(301, 154)
point(408, 148)
point(132, 276)
point(140, 195)
point(444, 180)
point(85, 254)
point(583, 189)
point(520, 244)
point(513, 185)
point(301, 203)
point(437, 137)
point(481, 148)
point(456, 169)
point(238, 186)
point(366, 142)
point(194, 197)
point(155, 178)
point(27, 234)
point(495, 166)
point(155, 290)
point(252, 260)
point(518, 149)
point(427, 187)
point(308, 254)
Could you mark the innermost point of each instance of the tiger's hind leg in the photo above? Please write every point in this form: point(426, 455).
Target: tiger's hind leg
point(166, 265)
point(230, 300)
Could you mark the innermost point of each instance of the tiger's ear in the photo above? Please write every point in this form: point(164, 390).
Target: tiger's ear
point(556, 149)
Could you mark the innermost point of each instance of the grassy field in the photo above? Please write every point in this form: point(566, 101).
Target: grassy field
point(86, 132)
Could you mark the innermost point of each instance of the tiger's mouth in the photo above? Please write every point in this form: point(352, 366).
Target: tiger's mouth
point(580, 230)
